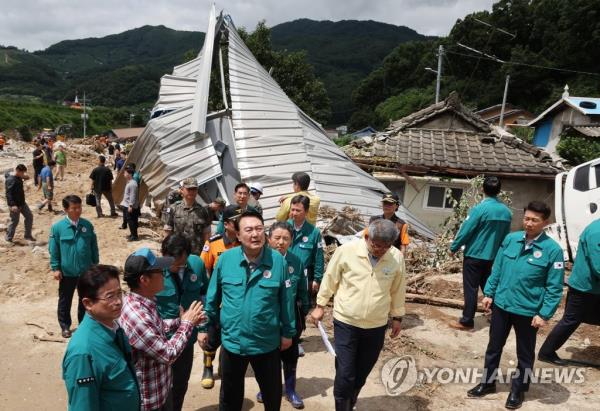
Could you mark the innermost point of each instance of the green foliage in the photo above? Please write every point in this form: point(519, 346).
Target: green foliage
point(577, 149)
point(524, 133)
point(25, 133)
point(549, 33)
point(292, 71)
point(32, 116)
point(342, 52)
point(404, 103)
point(343, 140)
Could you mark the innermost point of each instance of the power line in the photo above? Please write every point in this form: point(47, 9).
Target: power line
point(516, 63)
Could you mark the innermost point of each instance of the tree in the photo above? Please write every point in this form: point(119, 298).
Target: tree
point(292, 71)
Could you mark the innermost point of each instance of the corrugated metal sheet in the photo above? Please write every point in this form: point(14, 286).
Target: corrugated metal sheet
point(175, 92)
point(590, 131)
point(167, 152)
point(274, 139)
point(268, 136)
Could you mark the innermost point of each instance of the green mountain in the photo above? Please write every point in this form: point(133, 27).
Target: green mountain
point(343, 52)
point(124, 69)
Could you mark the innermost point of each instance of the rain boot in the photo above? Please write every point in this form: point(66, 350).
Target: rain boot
point(343, 404)
point(289, 375)
point(208, 381)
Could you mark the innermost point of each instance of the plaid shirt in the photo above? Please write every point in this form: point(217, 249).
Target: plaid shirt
point(153, 353)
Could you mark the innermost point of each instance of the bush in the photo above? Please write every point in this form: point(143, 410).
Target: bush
point(577, 150)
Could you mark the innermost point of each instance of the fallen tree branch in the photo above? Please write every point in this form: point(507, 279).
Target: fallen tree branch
point(49, 339)
point(443, 302)
point(416, 278)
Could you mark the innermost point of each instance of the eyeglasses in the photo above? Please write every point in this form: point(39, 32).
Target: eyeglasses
point(112, 298)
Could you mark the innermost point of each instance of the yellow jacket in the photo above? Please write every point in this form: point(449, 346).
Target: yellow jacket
point(313, 209)
point(364, 295)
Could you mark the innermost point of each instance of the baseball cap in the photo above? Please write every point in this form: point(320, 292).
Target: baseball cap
point(390, 198)
point(219, 200)
point(144, 260)
point(256, 187)
point(231, 212)
point(189, 182)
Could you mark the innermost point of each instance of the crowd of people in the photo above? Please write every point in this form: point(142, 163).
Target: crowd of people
point(246, 290)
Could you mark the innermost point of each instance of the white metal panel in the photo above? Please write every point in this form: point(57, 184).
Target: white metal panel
point(202, 86)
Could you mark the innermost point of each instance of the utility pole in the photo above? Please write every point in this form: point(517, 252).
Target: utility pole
point(439, 74)
point(84, 117)
point(501, 124)
point(131, 116)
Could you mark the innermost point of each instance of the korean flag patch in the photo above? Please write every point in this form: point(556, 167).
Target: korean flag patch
point(559, 265)
point(288, 283)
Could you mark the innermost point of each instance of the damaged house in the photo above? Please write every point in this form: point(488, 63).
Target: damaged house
point(431, 154)
point(259, 136)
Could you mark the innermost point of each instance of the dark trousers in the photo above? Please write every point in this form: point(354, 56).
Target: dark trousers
point(182, 369)
point(502, 322)
point(291, 355)
point(124, 210)
point(475, 275)
point(267, 369)
point(14, 222)
point(576, 308)
point(132, 220)
point(36, 176)
point(109, 197)
point(66, 289)
point(356, 350)
point(214, 337)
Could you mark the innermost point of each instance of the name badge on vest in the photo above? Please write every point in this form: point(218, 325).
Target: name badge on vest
point(291, 269)
point(537, 253)
point(193, 278)
point(305, 239)
point(83, 229)
point(267, 274)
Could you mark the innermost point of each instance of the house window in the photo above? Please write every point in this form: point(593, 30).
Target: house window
point(439, 196)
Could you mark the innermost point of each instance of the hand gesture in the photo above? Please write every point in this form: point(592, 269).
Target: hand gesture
point(538, 322)
point(194, 314)
point(487, 303)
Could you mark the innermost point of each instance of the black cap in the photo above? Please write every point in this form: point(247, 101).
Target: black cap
point(391, 198)
point(231, 212)
point(143, 261)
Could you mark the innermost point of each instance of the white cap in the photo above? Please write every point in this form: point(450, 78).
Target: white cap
point(256, 187)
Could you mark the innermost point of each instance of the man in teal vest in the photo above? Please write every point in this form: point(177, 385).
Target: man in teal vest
point(97, 367)
point(251, 289)
point(525, 288)
point(481, 234)
point(307, 243)
point(184, 282)
point(583, 298)
point(73, 248)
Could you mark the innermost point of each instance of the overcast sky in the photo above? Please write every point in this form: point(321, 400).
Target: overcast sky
point(37, 24)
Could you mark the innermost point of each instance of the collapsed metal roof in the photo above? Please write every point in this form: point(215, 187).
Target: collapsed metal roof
point(262, 136)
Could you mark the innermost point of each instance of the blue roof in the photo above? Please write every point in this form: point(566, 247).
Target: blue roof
point(576, 100)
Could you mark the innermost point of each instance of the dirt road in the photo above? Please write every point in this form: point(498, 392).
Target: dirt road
point(31, 369)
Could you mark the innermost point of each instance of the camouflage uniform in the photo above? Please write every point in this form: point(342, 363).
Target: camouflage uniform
point(192, 221)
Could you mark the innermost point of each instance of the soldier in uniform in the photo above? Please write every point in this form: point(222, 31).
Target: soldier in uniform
point(213, 248)
point(188, 217)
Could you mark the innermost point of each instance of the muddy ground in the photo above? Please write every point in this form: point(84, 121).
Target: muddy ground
point(31, 368)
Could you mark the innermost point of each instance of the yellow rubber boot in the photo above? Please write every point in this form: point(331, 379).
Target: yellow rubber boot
point(208, 381)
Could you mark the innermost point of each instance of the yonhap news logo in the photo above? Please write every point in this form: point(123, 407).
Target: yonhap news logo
point(400, 374)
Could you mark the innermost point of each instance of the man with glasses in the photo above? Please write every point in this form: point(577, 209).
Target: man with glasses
point(188, 217)
point(481, 234)
point(242, 198)
point(251, 291)
point(523, 291)
point(153, 352)
point(97, 366)
point(368, 280)
point(73, 249)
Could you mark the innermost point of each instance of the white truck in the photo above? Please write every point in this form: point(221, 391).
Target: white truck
point(577, 204)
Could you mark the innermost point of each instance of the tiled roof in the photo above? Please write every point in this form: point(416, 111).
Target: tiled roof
point(451, 151)
point(451, 104)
